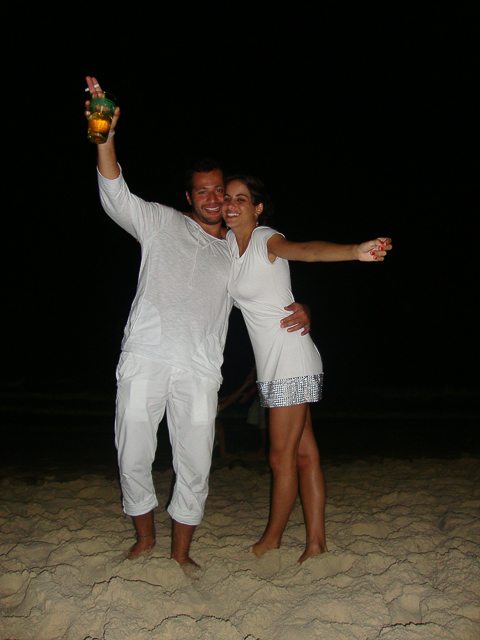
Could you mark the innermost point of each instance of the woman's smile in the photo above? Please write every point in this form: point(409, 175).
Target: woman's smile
point(237, 205)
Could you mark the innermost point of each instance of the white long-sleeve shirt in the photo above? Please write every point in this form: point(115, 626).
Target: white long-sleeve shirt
point(180, 311)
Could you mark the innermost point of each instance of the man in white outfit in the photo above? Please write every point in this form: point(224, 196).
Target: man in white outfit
point(173, 343)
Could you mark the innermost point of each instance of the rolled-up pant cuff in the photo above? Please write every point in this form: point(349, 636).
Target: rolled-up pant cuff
point(139, 509)
point(191, 519)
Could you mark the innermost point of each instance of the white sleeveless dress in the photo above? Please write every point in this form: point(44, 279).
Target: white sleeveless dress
point(289, 367)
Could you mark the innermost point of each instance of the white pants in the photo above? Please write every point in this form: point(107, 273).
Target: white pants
point(144, 389)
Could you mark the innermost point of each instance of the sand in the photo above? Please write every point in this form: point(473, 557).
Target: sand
point(402, 563)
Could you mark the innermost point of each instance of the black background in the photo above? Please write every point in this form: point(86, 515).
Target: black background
point(360, 121)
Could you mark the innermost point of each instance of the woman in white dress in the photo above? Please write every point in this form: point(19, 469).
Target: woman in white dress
point(289, 367)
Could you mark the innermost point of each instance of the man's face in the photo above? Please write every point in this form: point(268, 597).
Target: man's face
point(206, 198)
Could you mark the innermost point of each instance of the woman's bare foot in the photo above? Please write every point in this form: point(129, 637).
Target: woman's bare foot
point(141, 547)
point(262, 546)
point(312, 550)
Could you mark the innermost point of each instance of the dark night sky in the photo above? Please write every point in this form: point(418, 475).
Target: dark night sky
point(360, 124)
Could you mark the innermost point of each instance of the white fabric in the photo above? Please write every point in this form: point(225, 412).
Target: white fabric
point(145, 387)
point(262, 289)
point(181, 308)
point(172, 351)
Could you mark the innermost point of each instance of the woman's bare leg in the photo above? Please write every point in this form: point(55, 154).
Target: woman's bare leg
point(286, 426)
point(312, 492)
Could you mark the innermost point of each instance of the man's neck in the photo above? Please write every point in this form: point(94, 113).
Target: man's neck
point(215, 230)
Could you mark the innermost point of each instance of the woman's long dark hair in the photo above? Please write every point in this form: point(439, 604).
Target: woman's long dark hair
point(258, 194)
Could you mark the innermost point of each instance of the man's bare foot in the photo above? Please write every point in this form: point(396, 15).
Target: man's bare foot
point(262, 546)
point(184, 561)
point(181, 539)
point(313, 550)
point(191, 569)
point(145, 529)
point(141, 547)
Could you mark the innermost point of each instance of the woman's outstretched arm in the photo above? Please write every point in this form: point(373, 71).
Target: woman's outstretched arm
point(320, 251)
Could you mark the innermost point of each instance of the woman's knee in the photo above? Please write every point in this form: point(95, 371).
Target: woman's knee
point(308, 459)
point(282, 460)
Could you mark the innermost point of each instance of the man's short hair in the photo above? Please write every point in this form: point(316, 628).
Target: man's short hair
point(205, 165)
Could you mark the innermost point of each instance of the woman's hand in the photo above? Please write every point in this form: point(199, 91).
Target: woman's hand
point(374, 250)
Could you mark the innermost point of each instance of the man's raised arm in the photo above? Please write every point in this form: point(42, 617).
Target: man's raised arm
point(107, 158)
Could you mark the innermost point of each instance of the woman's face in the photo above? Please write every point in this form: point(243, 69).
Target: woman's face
point(238, 209)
